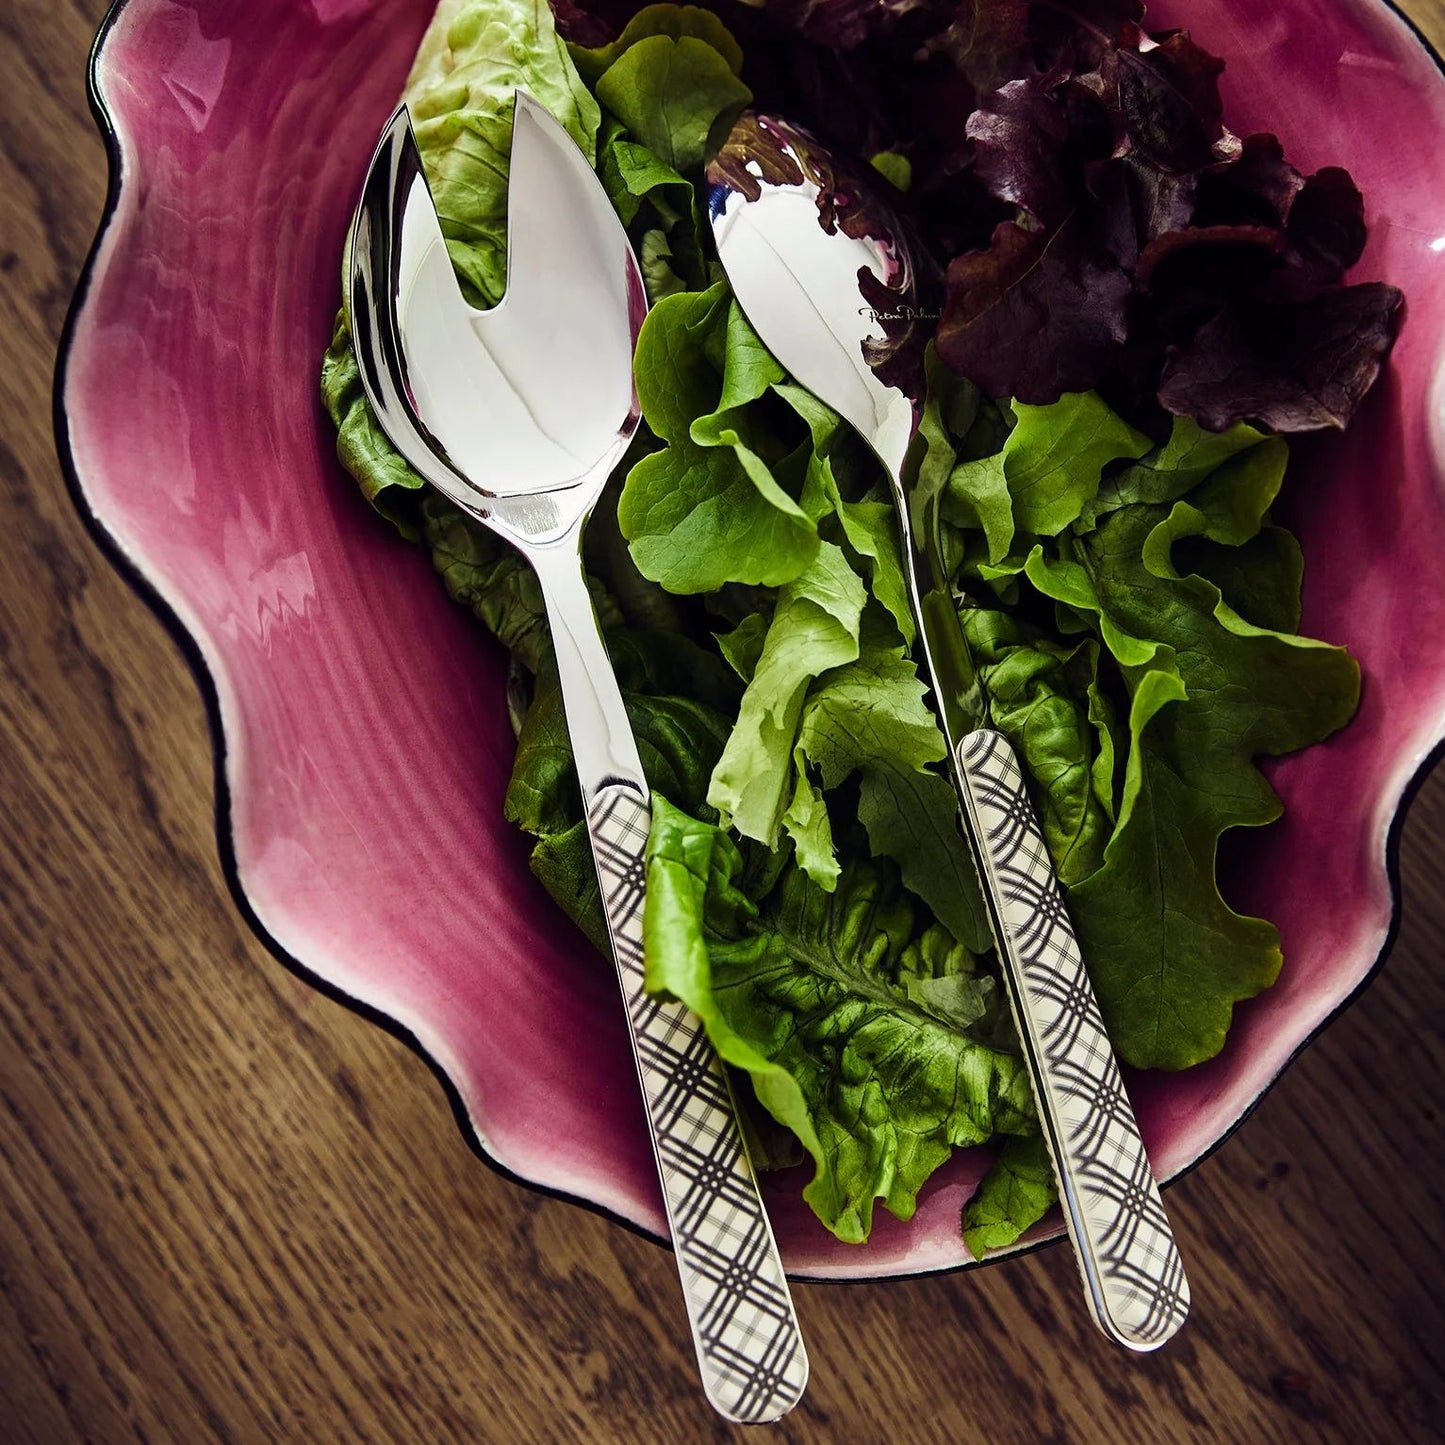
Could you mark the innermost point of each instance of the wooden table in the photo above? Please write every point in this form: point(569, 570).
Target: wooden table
point(231, 1209)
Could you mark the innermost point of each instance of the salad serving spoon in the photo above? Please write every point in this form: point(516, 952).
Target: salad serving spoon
point(827, 274)
point(517, 415)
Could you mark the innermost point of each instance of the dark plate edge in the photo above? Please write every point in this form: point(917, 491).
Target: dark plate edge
point(205, 683)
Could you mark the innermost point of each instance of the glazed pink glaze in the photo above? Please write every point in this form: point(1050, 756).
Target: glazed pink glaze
point(366, 737)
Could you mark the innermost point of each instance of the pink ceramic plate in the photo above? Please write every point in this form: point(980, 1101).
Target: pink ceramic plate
point(361, 772)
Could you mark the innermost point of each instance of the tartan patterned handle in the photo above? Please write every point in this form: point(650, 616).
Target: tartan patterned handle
point(749, 1347)
point(1131, 1266)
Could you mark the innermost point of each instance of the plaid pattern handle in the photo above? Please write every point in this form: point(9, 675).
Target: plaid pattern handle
point(1131, 1266)
point(748, 1343)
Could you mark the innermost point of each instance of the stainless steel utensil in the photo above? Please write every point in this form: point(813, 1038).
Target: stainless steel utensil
point(518, 415)
point(796, 228)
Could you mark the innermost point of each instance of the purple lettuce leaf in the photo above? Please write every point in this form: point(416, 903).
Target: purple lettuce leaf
point(1297, 367)
point(1033, 319)
point(1154, 255)
point(1100, 224)
point(1165, 101)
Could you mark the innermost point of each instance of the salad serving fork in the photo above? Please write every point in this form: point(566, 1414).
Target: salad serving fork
point(796, 229)
point(518, 415)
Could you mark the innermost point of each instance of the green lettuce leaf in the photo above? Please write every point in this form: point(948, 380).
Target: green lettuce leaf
point(1169, 471)
point(842, 1009)
point(1017, 1192)
point(815, 626)
point(632, 175)
point(966, 487)
point(1045, 698)
point(1209, 693)
point(869, 525)
point(896, 169)
point(655, 202)
point(386, 481)
point(673, 21)
point(679, 738)
point(707, 510)
point(678, 96)
point(1049, 467)
point(655, 259)
point(868, 716)
point(743, 646)
point(474, 59)
point(483, 573)
point(1260, 579)
point(641, 603)
point(562, 863)
point(1055, 456)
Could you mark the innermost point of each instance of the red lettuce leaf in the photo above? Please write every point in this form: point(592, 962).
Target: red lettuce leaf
point(1106, 229)
point(1086, 30)
point(1019, 136)
point(1152, 254)
point(1257, 186)
point(1208, 258)
point(1033, 317)
point(1326, 225)
point(987, 42)
point(842, 24)
point(1165, 101)
point(1137, 203)
point(1298, 367)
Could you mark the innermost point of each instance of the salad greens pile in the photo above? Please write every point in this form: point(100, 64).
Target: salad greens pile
point(1133, 608)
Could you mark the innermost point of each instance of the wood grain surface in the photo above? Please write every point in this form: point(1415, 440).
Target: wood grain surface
point(232, 1210)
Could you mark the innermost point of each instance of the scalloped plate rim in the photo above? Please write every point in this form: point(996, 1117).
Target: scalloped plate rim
point(147, 589)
